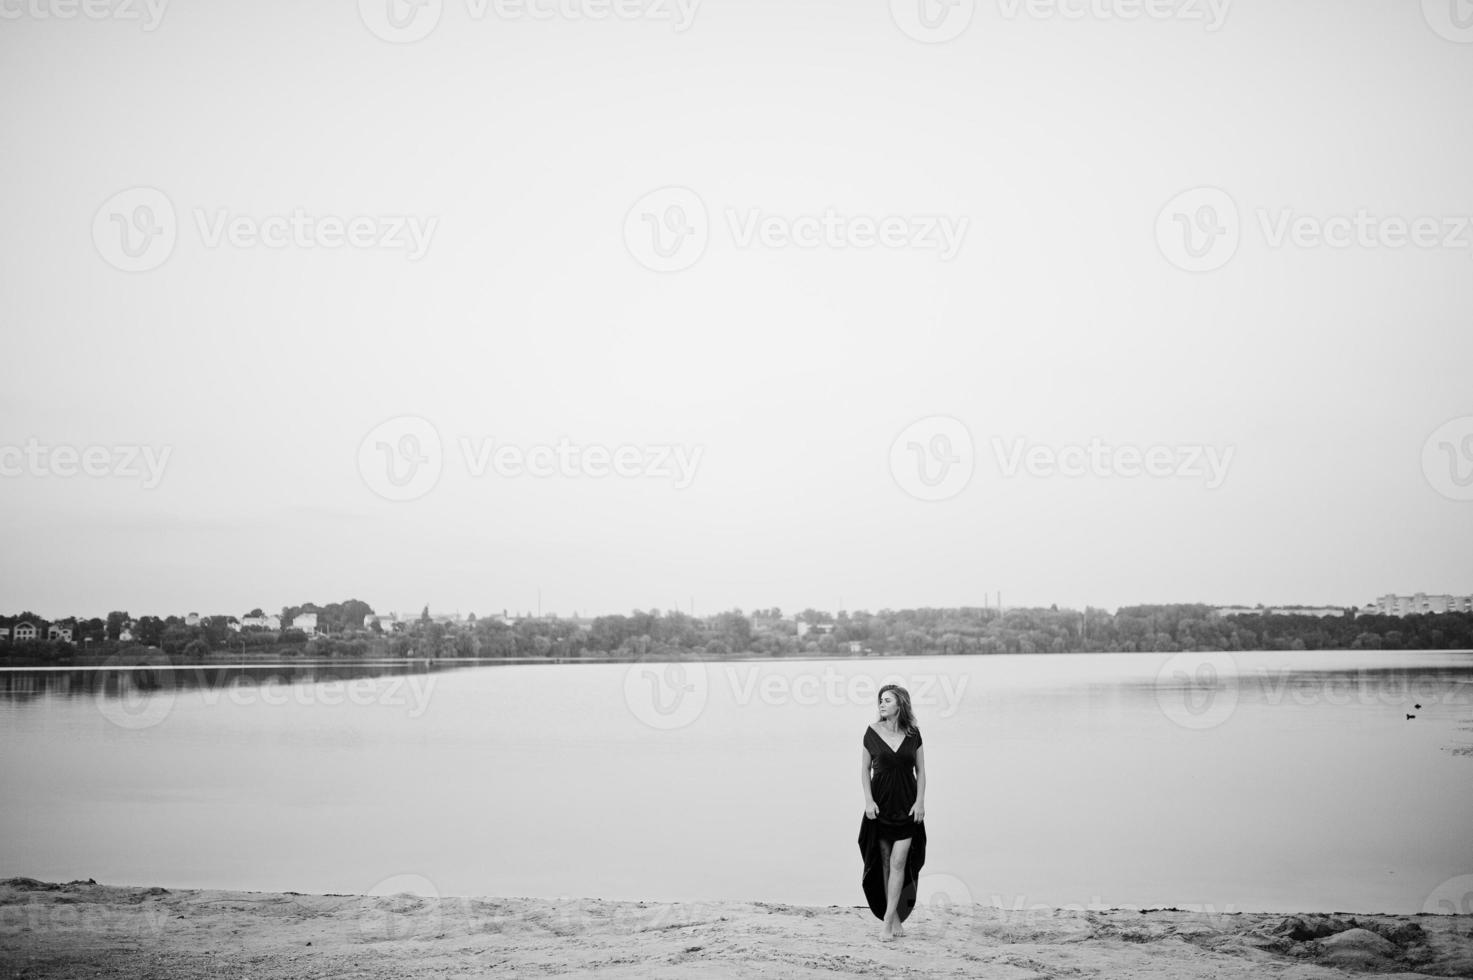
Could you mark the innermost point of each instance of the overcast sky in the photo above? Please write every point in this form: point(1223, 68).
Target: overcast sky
point(887, 304)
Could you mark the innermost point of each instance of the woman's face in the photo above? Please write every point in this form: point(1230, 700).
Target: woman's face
point(887, 704)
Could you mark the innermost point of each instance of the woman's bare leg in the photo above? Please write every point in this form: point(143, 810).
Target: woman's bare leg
point(894, 884)
point(885, 873)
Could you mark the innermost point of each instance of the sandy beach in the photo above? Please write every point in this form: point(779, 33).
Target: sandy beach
point(84, 929)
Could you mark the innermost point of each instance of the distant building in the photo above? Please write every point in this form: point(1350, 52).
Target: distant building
point(25, 631)
point(855, 646)
point(192, 619)
point(818, 629)
point(56, 631)
point(1321, 611)
point(306, 622)
point(4, 632)
point(1420, 602)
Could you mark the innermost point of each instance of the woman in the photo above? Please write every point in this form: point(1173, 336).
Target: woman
point(892, 835)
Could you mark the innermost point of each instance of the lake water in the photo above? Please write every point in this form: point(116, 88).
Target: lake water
point(1243, 782)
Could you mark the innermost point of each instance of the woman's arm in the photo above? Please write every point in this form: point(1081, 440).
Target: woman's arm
point(920, 808)
point(864, 766)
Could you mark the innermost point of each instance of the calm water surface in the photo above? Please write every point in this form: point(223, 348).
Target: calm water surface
point(1256, 781)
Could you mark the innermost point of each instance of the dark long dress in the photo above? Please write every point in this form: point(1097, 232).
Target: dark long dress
point(893, 785)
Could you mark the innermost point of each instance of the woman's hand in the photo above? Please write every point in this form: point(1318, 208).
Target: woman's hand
point(871, 810)
point(918, 812)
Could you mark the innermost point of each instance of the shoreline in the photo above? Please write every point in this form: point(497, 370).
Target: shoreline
point(152, 657)
point(86, 929)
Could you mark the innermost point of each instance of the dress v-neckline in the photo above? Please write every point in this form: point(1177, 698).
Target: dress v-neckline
point(895, 750)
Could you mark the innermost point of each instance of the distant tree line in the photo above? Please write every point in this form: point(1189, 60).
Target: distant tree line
point(912, 632)
point(764, 632)
point(177, 637)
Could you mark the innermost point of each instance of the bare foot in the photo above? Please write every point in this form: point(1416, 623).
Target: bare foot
point(899, 930)
point(886, 935)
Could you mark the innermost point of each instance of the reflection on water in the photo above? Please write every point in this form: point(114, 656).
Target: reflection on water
point(122, 681)
point(154, 671)
point(1288, 782)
